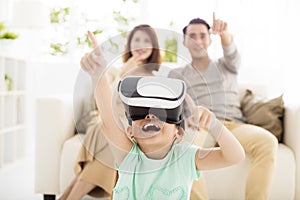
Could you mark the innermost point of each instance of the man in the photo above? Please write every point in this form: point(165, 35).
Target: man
point(214, 85)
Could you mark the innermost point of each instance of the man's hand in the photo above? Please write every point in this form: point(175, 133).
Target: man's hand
point(220, 27)
point(93, 62)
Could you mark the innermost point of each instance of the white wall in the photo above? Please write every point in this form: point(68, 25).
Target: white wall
point(266, 33)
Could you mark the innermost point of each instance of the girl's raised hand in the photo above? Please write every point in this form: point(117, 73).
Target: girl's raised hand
point(93, 62)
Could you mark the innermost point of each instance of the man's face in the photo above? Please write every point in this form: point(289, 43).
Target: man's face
point(197, 40)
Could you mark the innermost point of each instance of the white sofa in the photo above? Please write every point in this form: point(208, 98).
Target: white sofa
point(57, 147)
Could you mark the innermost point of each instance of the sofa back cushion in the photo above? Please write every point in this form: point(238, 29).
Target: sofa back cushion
point(263, 112)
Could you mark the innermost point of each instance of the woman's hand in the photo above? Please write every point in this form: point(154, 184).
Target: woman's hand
point(131, 64)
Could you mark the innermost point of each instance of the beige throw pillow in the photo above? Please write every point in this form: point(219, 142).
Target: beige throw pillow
point(266, 114)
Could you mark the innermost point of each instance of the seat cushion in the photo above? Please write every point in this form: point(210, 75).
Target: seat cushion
point(68, 158)
point(217, 181)
point(229, 182)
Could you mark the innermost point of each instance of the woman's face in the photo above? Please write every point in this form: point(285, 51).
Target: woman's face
point(141, 45)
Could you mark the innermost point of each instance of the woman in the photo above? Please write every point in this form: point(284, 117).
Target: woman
point(95, 173)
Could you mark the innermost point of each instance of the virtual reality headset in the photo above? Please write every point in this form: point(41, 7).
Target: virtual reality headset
point(160, 96)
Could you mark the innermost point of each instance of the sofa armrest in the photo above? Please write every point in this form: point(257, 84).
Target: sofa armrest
point(291, 137)
point(54, 125)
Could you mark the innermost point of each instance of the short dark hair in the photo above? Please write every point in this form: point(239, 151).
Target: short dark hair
point(196, 21)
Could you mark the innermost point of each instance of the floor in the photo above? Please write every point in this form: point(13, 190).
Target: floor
point(17, 181)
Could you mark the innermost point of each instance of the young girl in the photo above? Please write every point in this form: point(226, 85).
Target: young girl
point(95, 173)
point(152, 164)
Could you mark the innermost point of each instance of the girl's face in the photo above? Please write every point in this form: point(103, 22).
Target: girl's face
point(152, 131)
point(141, 45)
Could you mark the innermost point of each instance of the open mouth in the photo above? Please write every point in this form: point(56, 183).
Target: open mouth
point(151, 127)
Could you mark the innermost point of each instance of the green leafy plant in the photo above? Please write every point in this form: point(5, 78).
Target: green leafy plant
point(85, 40)
point(171, 47)
point(6, 34)
point(170, 50)
point(121, 19)
point(2, 26)
point(59, 15)
point(59, 48)
point(8, 82)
